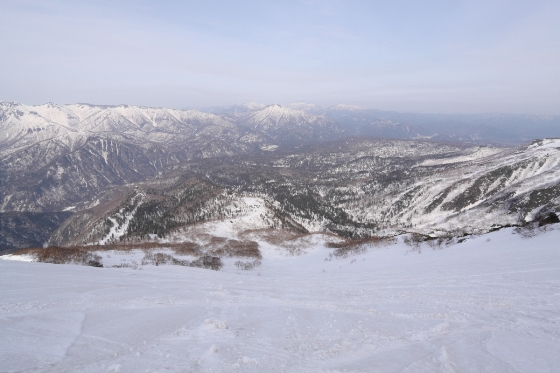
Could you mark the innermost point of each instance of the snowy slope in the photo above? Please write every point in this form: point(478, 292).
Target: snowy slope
point(486, 191)
point(488, 304)
point(423, 186)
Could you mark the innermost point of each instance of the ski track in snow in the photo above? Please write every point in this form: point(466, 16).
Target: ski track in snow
point(490, 304)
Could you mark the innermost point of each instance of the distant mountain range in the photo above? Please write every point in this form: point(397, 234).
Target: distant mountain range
point(343, 169)
point(483, 129)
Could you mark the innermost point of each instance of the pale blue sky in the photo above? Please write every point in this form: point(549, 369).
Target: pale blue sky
point(426, 56)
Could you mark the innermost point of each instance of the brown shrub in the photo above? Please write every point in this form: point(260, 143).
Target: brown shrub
point(217, 240)
point(247, 249)
point(187, 248)
point(63, 255)
point(224, 248)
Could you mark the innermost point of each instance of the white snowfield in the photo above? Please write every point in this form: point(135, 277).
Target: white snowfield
point(490, 304)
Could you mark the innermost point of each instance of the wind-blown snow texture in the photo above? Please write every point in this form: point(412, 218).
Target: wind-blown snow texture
point(489, 304)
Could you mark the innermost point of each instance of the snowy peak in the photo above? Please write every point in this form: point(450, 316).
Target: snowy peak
point(276, 116)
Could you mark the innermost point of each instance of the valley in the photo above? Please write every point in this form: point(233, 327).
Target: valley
point(70, 174)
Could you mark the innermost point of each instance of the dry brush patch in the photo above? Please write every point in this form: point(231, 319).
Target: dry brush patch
point(235, 248)
point(294, 242)
point(63, 255)
point(187, 248)
point(436, 242)
point(344, 249)
point(213, 246)
point(206, 256)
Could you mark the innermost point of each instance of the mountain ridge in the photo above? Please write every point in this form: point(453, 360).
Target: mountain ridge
point(345, 170)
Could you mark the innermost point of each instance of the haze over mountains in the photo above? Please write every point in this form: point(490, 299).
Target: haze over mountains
point(317, 169)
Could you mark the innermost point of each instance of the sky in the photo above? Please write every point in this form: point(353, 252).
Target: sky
point(445, 56)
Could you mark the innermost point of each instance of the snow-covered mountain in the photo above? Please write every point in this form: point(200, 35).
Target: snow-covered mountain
point(354, 188)
point(22, 125)
point(58, 155)
point(288, 125)
point(71, 159)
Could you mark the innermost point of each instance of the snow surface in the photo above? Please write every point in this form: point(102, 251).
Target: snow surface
point(489, 304)
point(19, 258)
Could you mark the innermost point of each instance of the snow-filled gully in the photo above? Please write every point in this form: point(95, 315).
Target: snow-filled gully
point(116, 230)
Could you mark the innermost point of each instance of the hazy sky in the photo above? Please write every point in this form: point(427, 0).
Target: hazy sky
point(427, 56)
